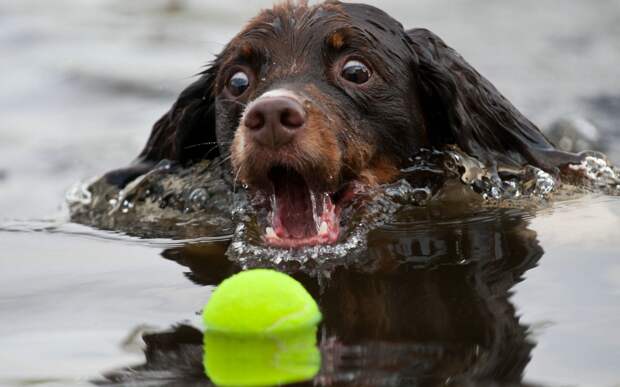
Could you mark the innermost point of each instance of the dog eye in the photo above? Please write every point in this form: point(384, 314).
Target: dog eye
point(356, 72)
point(238, 83)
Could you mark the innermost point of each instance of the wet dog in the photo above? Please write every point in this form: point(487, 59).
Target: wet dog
point(308, 103)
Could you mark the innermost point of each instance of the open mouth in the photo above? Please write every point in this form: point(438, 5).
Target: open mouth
point(299, 215)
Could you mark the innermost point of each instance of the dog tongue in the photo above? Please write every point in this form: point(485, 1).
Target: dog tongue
point(294, 207)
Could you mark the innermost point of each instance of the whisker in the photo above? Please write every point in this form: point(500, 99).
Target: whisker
point(205, 143)
point(244, 105)
point(210, 150)
point(236, 178)
point(222, 161)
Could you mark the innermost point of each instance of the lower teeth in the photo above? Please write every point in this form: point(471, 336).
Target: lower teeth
point(323, 228)
point(270, 232)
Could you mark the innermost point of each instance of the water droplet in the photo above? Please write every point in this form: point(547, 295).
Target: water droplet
point(421, 195)
point(495, 193)
point(198, 199)
point(545, 183)
point(126, 206)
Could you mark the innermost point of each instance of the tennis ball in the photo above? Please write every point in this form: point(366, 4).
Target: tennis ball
point(260, 302)
point(251, 361)
point(261, 328)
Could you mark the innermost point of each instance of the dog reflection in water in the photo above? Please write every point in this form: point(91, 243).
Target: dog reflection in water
point(425, 303)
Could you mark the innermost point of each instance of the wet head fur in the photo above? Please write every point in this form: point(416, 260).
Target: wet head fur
point(421, 94)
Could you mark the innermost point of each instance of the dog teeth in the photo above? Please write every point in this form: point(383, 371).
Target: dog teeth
point(270, 232)
point(323, 228)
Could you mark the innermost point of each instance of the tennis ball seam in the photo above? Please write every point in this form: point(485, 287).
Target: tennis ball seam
point(274, 327)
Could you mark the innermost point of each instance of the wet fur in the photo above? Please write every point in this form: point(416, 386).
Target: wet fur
point(424, 94)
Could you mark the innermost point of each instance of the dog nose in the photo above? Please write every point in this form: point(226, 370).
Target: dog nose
point(275, 121)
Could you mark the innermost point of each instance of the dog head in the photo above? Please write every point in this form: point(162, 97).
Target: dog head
point(314, 101)
point(309, 102)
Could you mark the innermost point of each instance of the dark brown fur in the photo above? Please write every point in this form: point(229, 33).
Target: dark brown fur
point(423, 94)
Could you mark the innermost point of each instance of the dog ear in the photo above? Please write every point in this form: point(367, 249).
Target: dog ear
point(185, 133)
point(461, 107)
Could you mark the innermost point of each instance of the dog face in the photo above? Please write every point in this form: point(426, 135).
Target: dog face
point(310, 102)
point(304, 129)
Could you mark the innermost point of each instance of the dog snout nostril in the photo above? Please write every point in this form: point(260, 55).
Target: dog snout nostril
point(292, 118)
point(275, 121)
point(255, 119)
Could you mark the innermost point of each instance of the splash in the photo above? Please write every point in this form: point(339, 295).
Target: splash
point(366, 212)
point(185, 202)
point(596, 172)
point(170, 201)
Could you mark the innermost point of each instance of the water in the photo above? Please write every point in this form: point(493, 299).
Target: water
point(433, 289)
point(436, 293)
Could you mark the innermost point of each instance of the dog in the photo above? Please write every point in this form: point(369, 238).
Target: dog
point(309, 103)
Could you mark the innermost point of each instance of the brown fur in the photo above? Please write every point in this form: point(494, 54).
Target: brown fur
point(336, 40)
point(422, 94)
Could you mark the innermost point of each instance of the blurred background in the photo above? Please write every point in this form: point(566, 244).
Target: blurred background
point(83, 80)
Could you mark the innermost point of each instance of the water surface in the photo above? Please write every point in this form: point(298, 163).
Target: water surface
point(500, 295)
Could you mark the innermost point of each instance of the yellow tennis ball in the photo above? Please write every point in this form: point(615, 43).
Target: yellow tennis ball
point(252, 361)
point(260, 302)
point(261, 328)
